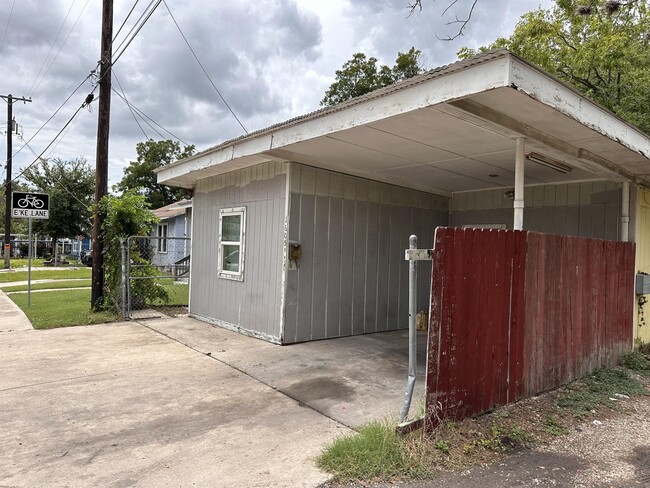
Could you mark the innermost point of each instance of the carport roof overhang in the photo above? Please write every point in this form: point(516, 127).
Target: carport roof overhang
point(448, 130)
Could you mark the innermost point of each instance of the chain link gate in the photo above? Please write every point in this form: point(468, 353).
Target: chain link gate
point(157, 276)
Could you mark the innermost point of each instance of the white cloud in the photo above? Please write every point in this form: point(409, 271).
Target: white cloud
point(271, 60)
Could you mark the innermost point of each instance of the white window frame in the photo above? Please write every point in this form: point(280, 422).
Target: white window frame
point(232, 275)
point(161, 245)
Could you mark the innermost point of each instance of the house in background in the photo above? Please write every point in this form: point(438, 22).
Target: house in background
point(301, 227)
point(171, 244)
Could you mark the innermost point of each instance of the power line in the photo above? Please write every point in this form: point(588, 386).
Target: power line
point(144, 17)
point(31, 90)
point(52, 175)
point(2, 45)
point(204, 71)
point(52, 142)
point(125, 20)
point(62, 44)
point(123, 97)
point(59, 109)
point(146, 119)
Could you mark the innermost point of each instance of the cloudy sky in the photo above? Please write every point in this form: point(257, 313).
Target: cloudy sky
point(270, 59)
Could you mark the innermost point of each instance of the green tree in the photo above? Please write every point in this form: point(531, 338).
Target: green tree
point(18, 226)
point(139, 175)
point(361, 75)
point(124, 216)
point(71, 186)
point(600, 50)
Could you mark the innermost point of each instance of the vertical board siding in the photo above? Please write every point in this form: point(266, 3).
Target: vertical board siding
point(252, 305)
point(642, 315)
point(352, 276)
point(590, 209)
point(515, 313)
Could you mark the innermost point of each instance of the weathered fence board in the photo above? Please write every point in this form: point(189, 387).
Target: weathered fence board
point(515, 313)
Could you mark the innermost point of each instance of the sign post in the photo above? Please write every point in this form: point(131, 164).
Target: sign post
point(30, 206)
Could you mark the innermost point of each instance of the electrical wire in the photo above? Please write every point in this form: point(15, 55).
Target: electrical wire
point(2, 45)
point(40, 159)
point(146, 119)
point(58, 109)
point(204, 71)
point(83, 105)
point(31, 90)
point(120, 50)
point(123, 97)
point(62, 44)
point(124, 21)
point(92, 73)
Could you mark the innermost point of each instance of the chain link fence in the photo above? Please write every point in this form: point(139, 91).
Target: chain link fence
point(156, 277)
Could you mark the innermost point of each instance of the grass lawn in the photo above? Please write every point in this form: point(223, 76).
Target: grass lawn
point(54, 285)
point(53, 274)
point(179, 294)
point(22, 263)
point(61, 309)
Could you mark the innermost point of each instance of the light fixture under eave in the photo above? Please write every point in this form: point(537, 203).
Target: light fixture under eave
point(549, 163)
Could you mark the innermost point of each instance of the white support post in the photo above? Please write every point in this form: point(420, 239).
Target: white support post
point(518, 223)
point(625, 212)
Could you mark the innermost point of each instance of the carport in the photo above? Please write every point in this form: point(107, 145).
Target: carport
point(324, 203)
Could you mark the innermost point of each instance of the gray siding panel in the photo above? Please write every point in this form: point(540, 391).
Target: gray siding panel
point(291, 300)
point(252, 305)
point(306, 270)
point(347, 267)
point(587, 209)
point(319, 287)
point(332, 327)
point(353, 233)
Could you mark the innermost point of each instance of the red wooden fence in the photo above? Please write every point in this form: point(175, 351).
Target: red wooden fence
point(515, 313)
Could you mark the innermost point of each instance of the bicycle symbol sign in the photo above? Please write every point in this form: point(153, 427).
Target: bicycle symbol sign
point(30, 205)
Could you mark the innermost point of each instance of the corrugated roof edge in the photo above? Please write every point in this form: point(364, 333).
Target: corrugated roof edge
point(416, 80)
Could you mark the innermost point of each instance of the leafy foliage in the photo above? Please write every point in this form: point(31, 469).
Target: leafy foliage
point(139, 175)
point(361, 75)
point(71, 186)
point(124, 216)
point(603, 52)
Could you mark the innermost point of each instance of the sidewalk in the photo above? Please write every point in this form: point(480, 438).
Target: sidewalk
point(11, 316)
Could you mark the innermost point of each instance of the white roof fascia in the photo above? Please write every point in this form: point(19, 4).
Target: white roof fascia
point(490, 74)
point(564, 99)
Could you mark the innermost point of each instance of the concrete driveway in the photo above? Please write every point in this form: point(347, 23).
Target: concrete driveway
point(133, 405)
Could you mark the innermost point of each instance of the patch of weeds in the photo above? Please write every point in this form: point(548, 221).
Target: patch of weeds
point(552, 425)
point(375, 452)
point(505, 438)
point(636, 361)
point(596, 389)
point(443, 445)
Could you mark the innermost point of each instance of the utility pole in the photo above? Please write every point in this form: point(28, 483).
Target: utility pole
point(101, 158)
point(10, 128)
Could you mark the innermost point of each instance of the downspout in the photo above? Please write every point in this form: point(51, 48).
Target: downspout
point(625, 212)
point(518, 223)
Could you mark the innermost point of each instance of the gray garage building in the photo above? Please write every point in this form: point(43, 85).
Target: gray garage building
point(299, 229)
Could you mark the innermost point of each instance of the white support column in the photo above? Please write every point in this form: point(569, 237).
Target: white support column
point(625, 212)
point(519, 185)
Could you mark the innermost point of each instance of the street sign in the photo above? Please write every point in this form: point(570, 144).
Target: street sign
point(30, 205)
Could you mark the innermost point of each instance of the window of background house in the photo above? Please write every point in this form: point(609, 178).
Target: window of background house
point(232, 225)
point(162, 241)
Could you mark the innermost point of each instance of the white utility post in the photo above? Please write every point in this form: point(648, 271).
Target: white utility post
point(625, 212)
point(519, 185)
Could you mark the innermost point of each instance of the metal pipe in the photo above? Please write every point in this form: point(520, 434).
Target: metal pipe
point(128, 278)
point(625, 212)
point(29, 266)
point(123, 247)
point(518, 223)
point(413, 300)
